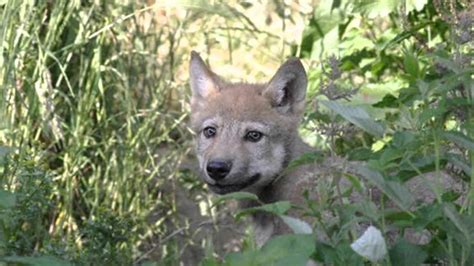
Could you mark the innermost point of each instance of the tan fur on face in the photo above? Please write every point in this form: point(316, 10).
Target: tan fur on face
point(235, 110)
point(232, 110)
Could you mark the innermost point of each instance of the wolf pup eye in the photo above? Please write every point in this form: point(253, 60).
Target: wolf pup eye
point(253, 136)
point(209, 132)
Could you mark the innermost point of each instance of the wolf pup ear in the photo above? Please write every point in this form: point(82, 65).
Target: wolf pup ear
point(287, 89)
point(202, 80)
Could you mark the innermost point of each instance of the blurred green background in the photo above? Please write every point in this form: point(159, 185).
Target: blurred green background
point(96, 155)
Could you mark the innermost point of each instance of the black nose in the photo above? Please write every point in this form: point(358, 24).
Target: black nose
point(217, 170)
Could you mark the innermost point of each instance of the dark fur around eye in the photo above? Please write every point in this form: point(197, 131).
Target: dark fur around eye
point(253, 136)
point(209, 132)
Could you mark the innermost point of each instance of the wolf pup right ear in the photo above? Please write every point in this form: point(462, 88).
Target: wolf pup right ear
point(286, 91)
point(202, 80)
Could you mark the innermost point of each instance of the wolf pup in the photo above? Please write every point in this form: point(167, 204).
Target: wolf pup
point(246, 135)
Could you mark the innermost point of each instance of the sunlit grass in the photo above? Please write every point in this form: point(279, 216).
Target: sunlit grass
point(86, 106)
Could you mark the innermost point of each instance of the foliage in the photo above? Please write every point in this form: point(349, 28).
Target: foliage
point(82, 122)
point(94, 145)
point(398, 97)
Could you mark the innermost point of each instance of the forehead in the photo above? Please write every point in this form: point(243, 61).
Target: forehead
point(236, 103)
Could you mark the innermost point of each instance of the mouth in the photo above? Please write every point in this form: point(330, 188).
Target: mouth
point(228, 188)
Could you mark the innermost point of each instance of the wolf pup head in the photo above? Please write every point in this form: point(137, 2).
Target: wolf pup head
point(244, 131)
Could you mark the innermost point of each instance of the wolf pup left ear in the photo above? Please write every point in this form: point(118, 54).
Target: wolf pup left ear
point(287, 89)
point(202, 80)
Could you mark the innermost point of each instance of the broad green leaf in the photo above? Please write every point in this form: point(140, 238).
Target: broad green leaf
point(376, 8)
point(35, 261)
point(249, 257)
point(241, 195)
point(298, 226)
point(360, 154)
point(398, 193)
point(460, 139)
point(7, 199)
point(319, 26)
point(282, 250)
point(357, 116)
point(405, 253)
point(403, 139)
point(287, 250)
point(390, 154)
point(278, 208)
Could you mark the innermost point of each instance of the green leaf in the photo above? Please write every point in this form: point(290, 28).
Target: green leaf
point(450, 196)
point(398, 193)
point(389, 155)
point(36, 261)
point(427, 114)
point(235, 196)
point(357, 116)
point(298, 226)
point(281, 250)
point(405, 35)
point(411, 65)
point(278, 208)
point(457, 220)
point(460, 139)
point(388, 101)
point(369, 209)
point(355, 181)
point(403, 139)
point(405, 253)
point(359, 154)
point(7, 199)
point(319, 26)
point(288, 250)
point(426, 215)
point(306, 158)
point(375, 8)
point(335, 4)
point(242, 258)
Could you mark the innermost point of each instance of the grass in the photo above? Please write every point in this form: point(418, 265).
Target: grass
point(94, 145)
point(81, 114)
